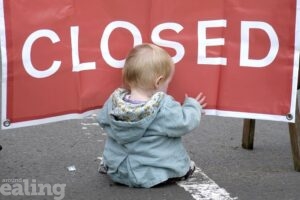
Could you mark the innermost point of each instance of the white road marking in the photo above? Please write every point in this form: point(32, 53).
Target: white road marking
point(201, 187)
point(90, 124)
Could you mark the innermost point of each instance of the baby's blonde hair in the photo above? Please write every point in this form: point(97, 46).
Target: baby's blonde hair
point(144, 64)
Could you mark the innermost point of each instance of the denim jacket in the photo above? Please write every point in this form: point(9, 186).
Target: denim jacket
point(144, 146)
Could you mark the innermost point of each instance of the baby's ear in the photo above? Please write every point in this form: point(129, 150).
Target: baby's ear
point(158, 81)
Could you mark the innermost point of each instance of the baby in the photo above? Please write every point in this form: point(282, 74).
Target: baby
point(145, 125)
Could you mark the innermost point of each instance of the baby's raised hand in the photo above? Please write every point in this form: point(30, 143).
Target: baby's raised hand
point(201, 99)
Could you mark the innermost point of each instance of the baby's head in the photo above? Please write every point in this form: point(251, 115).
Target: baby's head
point(148, 67)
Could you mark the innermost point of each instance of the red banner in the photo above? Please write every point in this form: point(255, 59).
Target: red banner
point(61, 59)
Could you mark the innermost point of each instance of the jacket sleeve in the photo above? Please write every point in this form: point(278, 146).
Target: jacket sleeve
point(103, 115)
point(177, 120)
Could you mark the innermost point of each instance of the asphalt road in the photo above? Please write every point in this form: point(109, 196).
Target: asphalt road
point(42, 155)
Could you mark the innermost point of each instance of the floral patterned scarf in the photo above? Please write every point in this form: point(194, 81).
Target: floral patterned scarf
point(125, 110)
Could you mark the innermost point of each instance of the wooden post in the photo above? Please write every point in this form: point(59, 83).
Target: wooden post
point(294, 129)
point(248, 134)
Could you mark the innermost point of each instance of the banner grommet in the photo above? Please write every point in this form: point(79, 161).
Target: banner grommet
point(289, 116)
point(6, 123)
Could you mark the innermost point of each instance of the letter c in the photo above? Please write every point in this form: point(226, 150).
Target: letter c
point(26, 54)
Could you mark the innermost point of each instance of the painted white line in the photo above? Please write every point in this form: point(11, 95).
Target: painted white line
point(201, 187)
point(89, 124)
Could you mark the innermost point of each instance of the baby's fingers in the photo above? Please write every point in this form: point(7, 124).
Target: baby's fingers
point(201, 99)
point(203, 105)
point(199, 96)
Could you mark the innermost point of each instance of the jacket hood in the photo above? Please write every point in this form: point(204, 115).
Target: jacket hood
point(129, 121)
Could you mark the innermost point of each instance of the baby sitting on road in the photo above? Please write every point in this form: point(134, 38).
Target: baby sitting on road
point(145, 125)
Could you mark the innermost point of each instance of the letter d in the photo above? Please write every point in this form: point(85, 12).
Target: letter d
point(245, 61)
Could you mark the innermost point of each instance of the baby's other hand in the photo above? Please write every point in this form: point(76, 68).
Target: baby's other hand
point(201, 99)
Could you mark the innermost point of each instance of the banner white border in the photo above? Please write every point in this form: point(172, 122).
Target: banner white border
point(82, 115)
point(50, 119)
point(3, 64)
point(296, 61)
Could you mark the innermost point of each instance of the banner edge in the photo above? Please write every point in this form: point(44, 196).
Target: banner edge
point(4, 65)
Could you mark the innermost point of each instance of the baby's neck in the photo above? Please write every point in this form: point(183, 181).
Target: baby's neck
point(141, 95)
